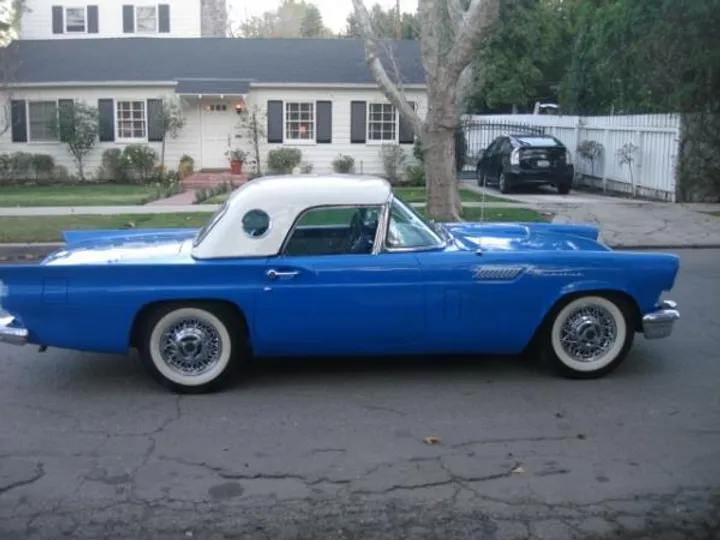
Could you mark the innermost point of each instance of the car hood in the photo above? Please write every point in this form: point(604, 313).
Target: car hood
point(124, 247)
point(523, 237)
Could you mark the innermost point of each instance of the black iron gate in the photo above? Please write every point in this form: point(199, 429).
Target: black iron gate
point(479, 133)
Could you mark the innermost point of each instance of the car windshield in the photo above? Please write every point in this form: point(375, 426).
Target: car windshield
point(409, 230)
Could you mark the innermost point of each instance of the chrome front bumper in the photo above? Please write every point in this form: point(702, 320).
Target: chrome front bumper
point(12, 334)
point(658, 324)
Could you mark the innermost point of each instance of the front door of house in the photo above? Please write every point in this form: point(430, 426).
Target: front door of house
point(219, 124)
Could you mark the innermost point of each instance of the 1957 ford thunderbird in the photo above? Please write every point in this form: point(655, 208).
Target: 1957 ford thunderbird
point(314, 265)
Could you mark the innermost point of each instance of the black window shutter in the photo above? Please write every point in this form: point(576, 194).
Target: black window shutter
point(58, 25)
point(164, 18)
point(155, 127)
point(358, 121)
point(405, 131)
point(106, 110)
point(323, 122)
point(275, 123)
point(65, 110)
point(18, 117)
point(93, 22)
point(128, 19)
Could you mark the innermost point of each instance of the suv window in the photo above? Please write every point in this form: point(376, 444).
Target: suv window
point(333, 231)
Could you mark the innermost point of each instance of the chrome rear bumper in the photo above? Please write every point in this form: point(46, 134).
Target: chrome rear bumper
point(12, 334)
point(658, 324)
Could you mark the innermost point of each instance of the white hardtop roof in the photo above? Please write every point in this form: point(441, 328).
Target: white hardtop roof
point(283, 198)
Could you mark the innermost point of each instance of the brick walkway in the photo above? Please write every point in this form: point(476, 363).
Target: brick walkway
point(181, 199)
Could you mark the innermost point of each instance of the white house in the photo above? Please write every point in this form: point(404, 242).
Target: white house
point(317, 94)
point(51, 19)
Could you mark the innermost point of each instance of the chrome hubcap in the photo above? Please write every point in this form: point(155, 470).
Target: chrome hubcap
point(588, 333)
point(191, 347)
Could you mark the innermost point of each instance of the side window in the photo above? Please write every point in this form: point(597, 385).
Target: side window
point(493, 147)
point(333, 231)
point(506, 146)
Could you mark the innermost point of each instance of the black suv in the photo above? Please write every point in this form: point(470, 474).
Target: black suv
point(516, 160)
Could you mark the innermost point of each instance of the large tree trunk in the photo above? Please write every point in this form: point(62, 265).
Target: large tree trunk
point(443, 202)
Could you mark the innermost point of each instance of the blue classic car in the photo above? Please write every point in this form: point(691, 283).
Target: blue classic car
point(337, 265)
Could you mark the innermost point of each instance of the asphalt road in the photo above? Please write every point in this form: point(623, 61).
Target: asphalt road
point(91, 449)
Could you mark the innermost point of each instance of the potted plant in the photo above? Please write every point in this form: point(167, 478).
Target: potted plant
point(237, 158)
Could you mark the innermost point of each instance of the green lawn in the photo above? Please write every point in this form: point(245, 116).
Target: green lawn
point(418, 195)
point(49, 228)
point(76, 195)
point(407, 194)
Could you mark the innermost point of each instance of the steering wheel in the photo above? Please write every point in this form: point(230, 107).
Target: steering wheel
point(358, 241)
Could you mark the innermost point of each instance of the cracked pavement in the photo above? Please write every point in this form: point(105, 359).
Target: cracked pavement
point(90, 448)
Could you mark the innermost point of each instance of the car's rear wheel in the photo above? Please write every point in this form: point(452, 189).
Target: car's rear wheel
point(563, 188)
point(587, 336)
point(192, 348)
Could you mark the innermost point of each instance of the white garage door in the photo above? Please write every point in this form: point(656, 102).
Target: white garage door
point(219, 126)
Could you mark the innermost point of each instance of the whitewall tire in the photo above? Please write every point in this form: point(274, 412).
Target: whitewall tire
point(191, 348)
point(588, 336)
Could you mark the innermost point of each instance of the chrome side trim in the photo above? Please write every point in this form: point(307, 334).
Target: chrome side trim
point(659, 324)
point(12, 335)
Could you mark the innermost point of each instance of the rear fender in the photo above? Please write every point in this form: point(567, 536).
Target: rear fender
point(93, 307)
point(76, 237)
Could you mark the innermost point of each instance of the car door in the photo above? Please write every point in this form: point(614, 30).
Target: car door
point(475, 303)
point(494, 160)
point(343, 299)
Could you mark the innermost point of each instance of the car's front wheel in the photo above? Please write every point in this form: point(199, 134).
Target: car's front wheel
point(588, 336)
point(503, 184)
point(480, 176)
point(193, 348)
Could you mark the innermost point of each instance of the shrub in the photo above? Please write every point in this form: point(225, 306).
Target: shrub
point(344, 164)
point(186, 167)
point(306, 168)
point(415, 174)
point(142, 161)
point(393, 158)
point(20, 167)
point(284, 160)
point(114, 166)
point(43, 166)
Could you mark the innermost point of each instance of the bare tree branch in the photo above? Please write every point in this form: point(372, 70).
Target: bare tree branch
point(474, 26)
point(456, 13)
point(372, 59)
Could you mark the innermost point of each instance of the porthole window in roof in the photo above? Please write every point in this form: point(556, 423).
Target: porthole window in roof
point(256, 223)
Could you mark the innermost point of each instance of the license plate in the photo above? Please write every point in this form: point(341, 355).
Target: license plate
point(542, 163)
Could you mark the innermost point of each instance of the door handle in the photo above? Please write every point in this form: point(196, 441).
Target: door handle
point(276, 274)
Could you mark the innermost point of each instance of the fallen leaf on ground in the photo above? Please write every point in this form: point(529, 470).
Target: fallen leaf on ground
point(431, 439)
point(517, 470)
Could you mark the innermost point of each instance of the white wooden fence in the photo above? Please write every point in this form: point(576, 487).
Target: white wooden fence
point(656, 138)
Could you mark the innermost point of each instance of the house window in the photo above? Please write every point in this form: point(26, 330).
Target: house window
point(382, 122)
point(146, 19)
point(43, 118)
point(217, 107)
point(300, 121)
point(75, 19)
point(131, 120)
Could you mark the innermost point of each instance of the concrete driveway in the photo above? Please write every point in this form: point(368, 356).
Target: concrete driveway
point(542, 195)
point(90, 449)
